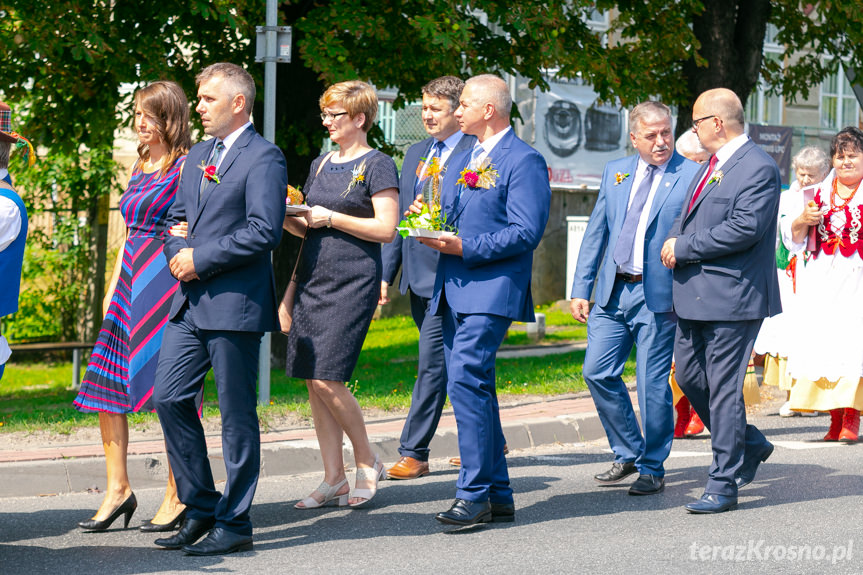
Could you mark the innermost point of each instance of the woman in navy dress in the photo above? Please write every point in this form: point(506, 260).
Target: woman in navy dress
point(122, 367)
point(354, 199)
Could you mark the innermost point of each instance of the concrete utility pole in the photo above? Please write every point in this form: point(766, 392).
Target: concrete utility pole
point(274, 45)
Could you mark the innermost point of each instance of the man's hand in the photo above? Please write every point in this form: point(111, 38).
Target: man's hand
point(450, 245)
point(667, 253)
point(183, 266)
point(579, 308)
point(417, 206)
point(384, 299)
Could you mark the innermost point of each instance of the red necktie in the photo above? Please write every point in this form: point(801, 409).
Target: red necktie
point(710, 166)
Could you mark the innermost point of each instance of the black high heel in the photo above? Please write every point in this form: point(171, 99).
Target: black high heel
point(127, 507)
point(170, 526)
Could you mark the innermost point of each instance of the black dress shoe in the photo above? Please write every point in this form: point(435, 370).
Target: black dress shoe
point(464, 513)
point(126, 508)
point(617, 473)
point(177, 521)
point(220, 542)
point(647, 485)
point(502, 512)
point(746, 473)
point(710, 503)
point(191, 531)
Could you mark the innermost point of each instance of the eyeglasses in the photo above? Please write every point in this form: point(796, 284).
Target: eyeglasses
point(327, 116)
point(695, 123)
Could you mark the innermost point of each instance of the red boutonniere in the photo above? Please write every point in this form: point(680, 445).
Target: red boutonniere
point(210, 173)
point(485, 176)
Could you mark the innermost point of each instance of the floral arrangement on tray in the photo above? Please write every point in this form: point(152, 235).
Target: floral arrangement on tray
point(430, 218)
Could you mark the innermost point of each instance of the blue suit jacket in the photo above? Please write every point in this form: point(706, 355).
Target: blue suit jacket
point(595, 258)
point(418, 262)
point(233, 230)
point(499, 227)
point(726, 244)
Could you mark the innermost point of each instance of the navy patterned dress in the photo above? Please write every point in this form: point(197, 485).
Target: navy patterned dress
point(122, 367)
point(339, 275)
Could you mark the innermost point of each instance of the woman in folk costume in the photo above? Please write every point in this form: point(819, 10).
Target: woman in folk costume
point(826, 360)
point(810, 165)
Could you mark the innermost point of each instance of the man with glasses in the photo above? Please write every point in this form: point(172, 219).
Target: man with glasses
point(721, 251)
point(639, 199)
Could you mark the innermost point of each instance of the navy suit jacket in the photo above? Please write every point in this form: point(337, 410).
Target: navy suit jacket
point(499, 227)
point(418, 262)
point(726, 244)
point(596, 255)
point(233, 230)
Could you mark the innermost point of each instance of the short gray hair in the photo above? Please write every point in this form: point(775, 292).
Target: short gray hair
point(238, 80)
point(689, 146)
point(647, 109)
point(813, 158)
point(494, 91)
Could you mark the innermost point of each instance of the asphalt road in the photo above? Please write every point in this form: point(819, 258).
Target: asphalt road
point(801, 515)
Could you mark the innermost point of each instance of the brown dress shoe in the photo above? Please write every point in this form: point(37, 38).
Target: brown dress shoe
point(408, 468)
point(456, 461)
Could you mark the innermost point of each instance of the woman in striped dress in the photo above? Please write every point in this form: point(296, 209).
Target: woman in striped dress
point(122, 368)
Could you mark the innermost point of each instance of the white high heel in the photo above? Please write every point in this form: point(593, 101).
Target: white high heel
point(375, 473)
point(329, 493)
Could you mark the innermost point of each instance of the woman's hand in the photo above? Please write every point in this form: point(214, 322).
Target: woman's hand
point(319, 217)
point(811, 216)
point(179, 230)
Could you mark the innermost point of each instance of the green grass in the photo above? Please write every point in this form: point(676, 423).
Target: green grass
point(38, 396)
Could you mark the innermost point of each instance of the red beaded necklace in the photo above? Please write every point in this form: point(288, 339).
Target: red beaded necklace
point(834, 194)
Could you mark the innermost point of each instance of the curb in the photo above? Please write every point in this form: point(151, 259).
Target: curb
point(562, 420)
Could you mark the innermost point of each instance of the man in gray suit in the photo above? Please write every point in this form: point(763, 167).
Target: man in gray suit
point(721, 250)
point(419, 266)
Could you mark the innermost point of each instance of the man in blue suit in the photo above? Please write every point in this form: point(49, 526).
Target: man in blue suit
point(498, 197)
point(418, 264)
point(639, 199)
point(234, 206)
point(721, 249)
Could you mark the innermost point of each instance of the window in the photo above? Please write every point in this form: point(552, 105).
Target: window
point(387, 121)
point(762, 108)
point(839, 107)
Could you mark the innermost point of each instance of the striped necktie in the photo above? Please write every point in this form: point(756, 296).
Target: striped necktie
point(215, 157)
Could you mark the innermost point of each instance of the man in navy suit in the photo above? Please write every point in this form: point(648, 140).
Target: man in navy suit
point(721, 249)
point(234, 206)
point(639, 199)
point(498, 197)
point(418, 264)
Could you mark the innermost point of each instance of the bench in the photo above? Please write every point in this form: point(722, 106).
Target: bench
point(76, 346)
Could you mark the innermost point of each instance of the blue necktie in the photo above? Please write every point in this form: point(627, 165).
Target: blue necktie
point(215, 156)
point(626, 239)
point(436, 152)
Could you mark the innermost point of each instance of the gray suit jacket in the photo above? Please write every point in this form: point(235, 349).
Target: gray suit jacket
point(725, 245)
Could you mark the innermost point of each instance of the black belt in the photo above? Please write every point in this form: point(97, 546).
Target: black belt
point(629, 278)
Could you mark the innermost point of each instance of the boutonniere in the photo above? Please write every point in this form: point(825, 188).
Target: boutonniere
point(358, 174)
point(485, 176)
point(210, 173)
point(619, 177)
point(716, 177)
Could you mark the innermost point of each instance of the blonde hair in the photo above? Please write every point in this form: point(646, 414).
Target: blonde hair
point(356, 97)
point(165, 104)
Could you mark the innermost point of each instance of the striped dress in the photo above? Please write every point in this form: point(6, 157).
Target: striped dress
point(122, 366)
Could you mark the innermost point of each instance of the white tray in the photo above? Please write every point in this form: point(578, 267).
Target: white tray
point(293, 210)
point(421, 233)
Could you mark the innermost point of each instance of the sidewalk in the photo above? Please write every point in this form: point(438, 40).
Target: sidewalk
point(51, 470)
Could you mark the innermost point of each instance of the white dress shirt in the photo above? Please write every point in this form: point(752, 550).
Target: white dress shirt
point(636, 266)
